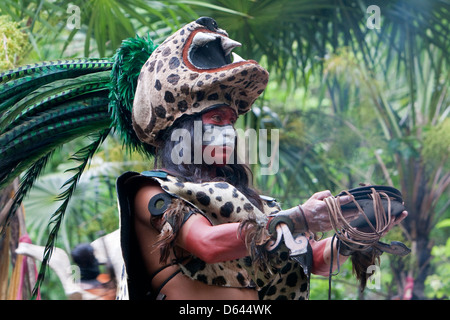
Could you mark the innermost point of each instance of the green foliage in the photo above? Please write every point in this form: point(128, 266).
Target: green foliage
point(438, 283)
point(352, 105)
point(83, 156)
point(92, 210)
point(14, 43)
point(436, 144)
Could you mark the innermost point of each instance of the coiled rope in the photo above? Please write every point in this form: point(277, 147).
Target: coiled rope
point(353, 237)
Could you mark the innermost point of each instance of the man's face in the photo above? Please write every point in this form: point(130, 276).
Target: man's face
point(219, 135)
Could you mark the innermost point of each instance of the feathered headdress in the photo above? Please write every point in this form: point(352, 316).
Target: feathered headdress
point(45, 105)
point(48, 104)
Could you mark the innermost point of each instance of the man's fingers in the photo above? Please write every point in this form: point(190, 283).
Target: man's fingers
point(345, 199)
point(402, 216)
point(321, 195)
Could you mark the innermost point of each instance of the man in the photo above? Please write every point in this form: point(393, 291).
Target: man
point(197, 229)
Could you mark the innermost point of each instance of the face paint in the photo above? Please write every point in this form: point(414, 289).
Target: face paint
point(187, 74)
point(218, 144)
point(219, 136)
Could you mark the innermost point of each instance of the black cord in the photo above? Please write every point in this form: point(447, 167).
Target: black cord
point(330, 275)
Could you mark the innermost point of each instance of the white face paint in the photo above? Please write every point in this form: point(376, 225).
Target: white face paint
point(219, 136)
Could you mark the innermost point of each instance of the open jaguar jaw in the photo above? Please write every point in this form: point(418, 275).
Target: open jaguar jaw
point(212, 50)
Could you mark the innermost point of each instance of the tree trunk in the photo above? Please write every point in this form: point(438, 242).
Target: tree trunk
point(8, 245)
point(418, 197)
point(422, 265)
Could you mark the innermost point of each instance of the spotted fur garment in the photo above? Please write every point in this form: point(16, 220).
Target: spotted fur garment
point(277, 277)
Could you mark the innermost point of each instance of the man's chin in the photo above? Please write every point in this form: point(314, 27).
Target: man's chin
point(219, 156)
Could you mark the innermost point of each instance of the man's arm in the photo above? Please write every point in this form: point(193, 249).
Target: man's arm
point(207, 242)
point(212, 243)
point(322, 257)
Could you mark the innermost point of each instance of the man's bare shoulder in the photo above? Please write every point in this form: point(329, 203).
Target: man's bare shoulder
point(146, 191)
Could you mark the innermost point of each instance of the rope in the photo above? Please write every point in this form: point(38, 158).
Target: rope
point(352, 237)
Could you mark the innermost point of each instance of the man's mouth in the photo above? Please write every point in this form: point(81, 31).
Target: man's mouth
point(209, 50)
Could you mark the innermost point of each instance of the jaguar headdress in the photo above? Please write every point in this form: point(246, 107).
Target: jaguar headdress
point(139, 93)
point(191, 71)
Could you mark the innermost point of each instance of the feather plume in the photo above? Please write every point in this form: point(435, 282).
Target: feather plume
point(53, 94)
point(128, 62)
point(45, 105)
point(18, 83)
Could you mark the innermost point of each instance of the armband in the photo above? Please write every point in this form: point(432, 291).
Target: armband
point(159, 203)
point(294, 218)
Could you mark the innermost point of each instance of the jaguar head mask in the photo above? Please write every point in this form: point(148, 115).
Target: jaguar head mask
point(192, 71)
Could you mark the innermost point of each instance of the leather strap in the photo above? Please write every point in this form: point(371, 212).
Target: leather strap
point(156, 295)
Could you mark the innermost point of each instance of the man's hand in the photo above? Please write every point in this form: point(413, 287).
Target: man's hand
point(312, 215)
point(316, 211)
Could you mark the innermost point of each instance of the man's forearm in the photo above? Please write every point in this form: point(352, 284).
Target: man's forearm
point(212, 243)
point(322, 257)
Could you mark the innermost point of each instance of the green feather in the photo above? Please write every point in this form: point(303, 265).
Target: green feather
point(50, 134)
point(60, 101)
point(55, 101)
point(18, 83)
point(79, 106)
point(54, 93)
point(43, 67)
point(23, 151)
point(128, 62)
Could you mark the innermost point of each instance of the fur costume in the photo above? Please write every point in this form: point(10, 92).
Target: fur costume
point(273, 274)
point(140, 93)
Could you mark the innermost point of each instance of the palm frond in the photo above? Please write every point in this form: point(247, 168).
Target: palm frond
point(308, 31)
point(83, 156)
point(26, 184)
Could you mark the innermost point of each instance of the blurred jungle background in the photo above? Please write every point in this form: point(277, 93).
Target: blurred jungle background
point(359, 91)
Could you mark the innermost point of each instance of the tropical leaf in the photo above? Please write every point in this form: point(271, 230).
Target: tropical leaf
point(83, 156)
point(307, 31)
